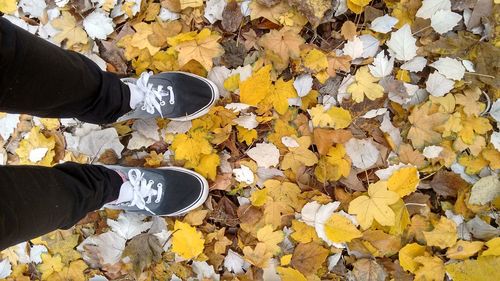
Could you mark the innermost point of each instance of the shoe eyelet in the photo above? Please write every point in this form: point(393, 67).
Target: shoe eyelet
point(162, 103)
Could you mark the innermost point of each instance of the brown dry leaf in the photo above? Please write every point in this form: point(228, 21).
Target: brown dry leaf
point(308, 258)
point(342, 63)
point(348, 30)
point(447, 183)
point(424, 122)
point(232, 17)
point(325, 138)
point(368, 270)
point(285, 43)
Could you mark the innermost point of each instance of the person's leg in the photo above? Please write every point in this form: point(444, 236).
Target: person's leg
point(37, 200)
point(41, 79)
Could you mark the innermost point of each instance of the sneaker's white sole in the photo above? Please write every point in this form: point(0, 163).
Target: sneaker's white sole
point(207, 107)
point(199, 201)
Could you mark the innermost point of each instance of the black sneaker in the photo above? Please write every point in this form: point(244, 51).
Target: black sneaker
point(166, 191)
point(177, 96)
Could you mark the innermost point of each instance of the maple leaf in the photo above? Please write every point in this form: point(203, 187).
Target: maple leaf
point(407, 256)
point(190, 147)
point(357, 6)
point(340, 229)
point(342, 63)
point(203, 49)
point(73, 272)
point(259, 256)
point(365, 86)
point(70, 32)
point(315, 60)
point(187, 241)
point(303, 233)
point(279, 95)
point(270, 238)
point(484, 268)
point(299, 156)
point(424, 121)
point(375, 206)
point(334, 165)
point(8, 6)
point(443, 235)
point(285, 43)
point(470, 101)
point(49, 265)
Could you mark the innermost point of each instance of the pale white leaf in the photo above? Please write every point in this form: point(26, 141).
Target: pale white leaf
point(494, 111)
point(5, 268)
point(450, 68)
point(363, 153)
point(469, 66)
point(237, 107)
point(234, 263)
point(36, 252)
point(34, 8)
point(415, 65)
point(384, 174)
point(381, 66)
point(204, 271)
point(37, 154)
point(430, 7)
point(129, 225)
point(97, 142)
point(460, 170)
point(3, 156)
point(267, 173)
point(214, 9)
point(218, 75)
point(432, 151)
point(98, 278)
point(354, 48)
point(244, 174)
point(495, 140)
point(403, 44)
point(265, 154)
point(289, 142)
point(485, 190)
point(178, 127)
point(108, 246)
point(269, 272)
point(247, 121)
point(98, 25)
point(374, 113)
point(166, 15)
point(333, 260)
point(308, 212)
point(8, 124)
point(438, 85)
point(444, 20)
point(383, 24)
point(370, 45)
point(303, 84)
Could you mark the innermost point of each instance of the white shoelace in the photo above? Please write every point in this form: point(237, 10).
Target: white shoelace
point(153, 98)
point(142, 189)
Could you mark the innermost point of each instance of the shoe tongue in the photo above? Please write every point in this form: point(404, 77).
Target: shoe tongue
point(126, 193)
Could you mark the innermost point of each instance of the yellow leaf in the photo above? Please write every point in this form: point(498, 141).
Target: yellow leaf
point(232, 82)
point(50, 123)
point(202, 49)
point(153, 159)
point(196, 217)
point(464, 249)
point(285, 260)
point(334, 165)
point(246, 136)
point(299, 156)
point(140, 38)
point(259, 197)
point(285, 43)
point(74, 272)
point(191, 147)
point(70, 32)
point(190, 3)
point(493, 247)
point(408, 253)
point(431, 269)
point(259, 256)
point(315, 60)
point(473, 165)
point(257, 87)
point(270, 238)
point(62, 245)
point(402, 218)
point(208, 166)
point(340, 229)
point(49, 265)
point(303, 233)
point(365, 85)
point(484, 268)
point(443, 235)
point(8, 6)
point(290, 274)
point(335, 117)
point(357, 6)
point(187, 242)
point(404, 181)
point(470, 101)
point(424, 120)
point(36, 143)
point(278, 97)
point(375, 206)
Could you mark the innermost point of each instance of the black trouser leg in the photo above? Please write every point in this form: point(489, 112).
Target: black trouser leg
point(36, 200)
point(41, 79)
